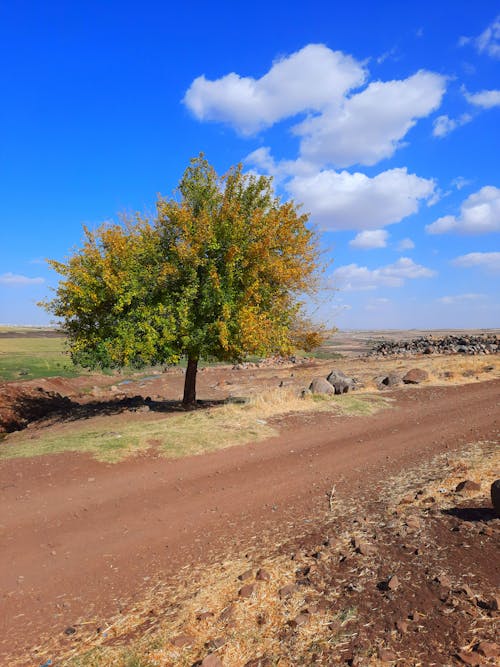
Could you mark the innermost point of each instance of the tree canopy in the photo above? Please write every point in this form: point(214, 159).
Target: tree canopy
point(218, 272)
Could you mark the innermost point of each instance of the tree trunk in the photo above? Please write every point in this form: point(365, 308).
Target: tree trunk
point(190, 383)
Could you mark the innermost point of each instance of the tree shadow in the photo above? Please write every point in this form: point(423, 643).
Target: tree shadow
point(471, 513)
point(30, 408)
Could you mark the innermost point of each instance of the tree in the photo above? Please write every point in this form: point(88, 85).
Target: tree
point(217, 273)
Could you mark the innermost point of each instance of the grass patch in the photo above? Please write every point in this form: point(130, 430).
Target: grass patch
point(28, 358)
point(186, 433)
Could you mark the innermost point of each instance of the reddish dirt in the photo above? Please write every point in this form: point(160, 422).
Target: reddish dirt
point(80, 539)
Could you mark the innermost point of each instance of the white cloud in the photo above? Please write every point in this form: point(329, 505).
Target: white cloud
point(490, 261)
point(443, 125)
point(460, 299)
point(405, 244)
point(361, 129)
point(17, 280)
point(307, 80)
point(460, 182)
point(353, 277)
point(479, 214)
point(341, 200)
point(370, 125)
point(489, 40)
point(373, 238)
point(486, 99)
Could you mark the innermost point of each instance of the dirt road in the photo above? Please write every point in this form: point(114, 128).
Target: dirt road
point(80, 538)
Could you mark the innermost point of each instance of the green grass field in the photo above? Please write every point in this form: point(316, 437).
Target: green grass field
point(30, 357)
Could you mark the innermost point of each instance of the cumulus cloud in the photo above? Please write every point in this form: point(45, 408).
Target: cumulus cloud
point(370, 125)
point(489, 40)
point(17, 280)
point(486, 99)
point(307, 80)
point(376, 238)
point(405, 244)
point(460, 299)
point(479, 214)
point(341, 200)
point(489, 261)
point(347, 128)
point(443, 125)
point(354, 278)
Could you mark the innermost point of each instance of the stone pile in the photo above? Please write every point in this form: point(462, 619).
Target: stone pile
point(452, 344)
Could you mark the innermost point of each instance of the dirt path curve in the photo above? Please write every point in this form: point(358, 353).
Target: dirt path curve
point(79, 538)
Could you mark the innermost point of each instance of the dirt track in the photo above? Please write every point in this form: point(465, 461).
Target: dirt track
point(80, 538)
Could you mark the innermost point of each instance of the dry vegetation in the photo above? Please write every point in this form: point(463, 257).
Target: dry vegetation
point(112, 439)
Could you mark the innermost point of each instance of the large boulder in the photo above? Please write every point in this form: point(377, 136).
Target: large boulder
point(415, 376)
point(321, 386)
point(340, 382)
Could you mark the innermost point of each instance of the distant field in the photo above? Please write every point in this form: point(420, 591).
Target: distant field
point(26, 357)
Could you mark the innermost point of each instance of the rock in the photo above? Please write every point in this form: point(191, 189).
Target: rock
point(246, 575)
point(390, 584)
point(488, 649)
point(413, 522)
point(493, 603)
point(259, 662)
point(227, 613)
point(340, 382)
point(247, 591)
point(262, 575)
point(286, 591)
point(321, 386)
point(392, 380)
point(415, 376)
point(468, 485)
point(300, 620)
point(495, 496)
point(443, 580)
point(364, 548)
point(203, 615)
point(386, 655)
point(182, 640)
point(472, 659)
point(70, 630)
point(402, 627)
point(211, 661)
point(393, 583)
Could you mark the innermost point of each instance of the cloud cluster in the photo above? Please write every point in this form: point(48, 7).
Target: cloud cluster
point(369, 126)
point(489, 40)
point(352, 277)
point(17, 280)
point(489, 261)
point(443, 125)
point(366, 240)
point(486, 99)
point(479, 214)
point(348, 128)
point(344, 200)
point(308, 80)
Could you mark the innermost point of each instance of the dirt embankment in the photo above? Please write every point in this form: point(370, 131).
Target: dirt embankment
point(81, 539)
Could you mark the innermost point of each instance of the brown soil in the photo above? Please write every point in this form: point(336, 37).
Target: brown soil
point(82, 539)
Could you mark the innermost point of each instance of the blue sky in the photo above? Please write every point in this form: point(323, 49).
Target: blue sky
point(380, 117)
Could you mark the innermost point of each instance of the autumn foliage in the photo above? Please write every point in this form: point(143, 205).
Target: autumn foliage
point(217, 273)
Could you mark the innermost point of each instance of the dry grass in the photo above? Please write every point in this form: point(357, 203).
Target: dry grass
point(112, 439)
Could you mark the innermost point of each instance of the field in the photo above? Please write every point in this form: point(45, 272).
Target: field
point(25, 356)
point(134, 531)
